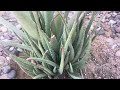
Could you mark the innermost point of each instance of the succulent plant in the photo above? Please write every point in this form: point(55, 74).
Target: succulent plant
point(52, 44)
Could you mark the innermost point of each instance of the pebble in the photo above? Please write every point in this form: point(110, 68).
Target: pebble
point(2, 38)
point(103, 20)
point(6, 69)
point(117, 17)
point(1, 49)
point(114, 14)
point(8, 58)
point(11, 74)
point(113, 29)
point(118, 29)
point(2, 60)
point(4, 29)
point(110, 41)
point(4, 76)
point(98, 29)
point(0, 53)
point(108, 16)
point(113, 47)
point(19, 49)
point(118, 35)
point(8, 36)
point(118, 53)
point(19, 26)
point(111, 22)
point(113, 35)
point(101, 32)
point(11, 49)
point(118, 22)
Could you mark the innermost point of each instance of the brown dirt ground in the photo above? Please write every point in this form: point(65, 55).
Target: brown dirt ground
point(20, 74)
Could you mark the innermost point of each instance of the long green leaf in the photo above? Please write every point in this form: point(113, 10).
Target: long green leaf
point(14, 44)
point(45, 61)
point(27, 23)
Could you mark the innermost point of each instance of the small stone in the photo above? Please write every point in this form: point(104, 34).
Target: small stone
point(6, 69)
point(0, 53)
point(11, 74)
point(118, 17)
point(7, 47)
point(113, 30)
point(11, 49)
point(8, 36)
point(108, 15)
point(114, 14)
point(16, 52)
point(19, 26)
point(114, 46)
point(118, 29)
point(113, 35)
point(2, 38)
point(118, 22)
point(118, 35)
point(4, 76)
point(101, 32)
point(8, 58)
point(4, 29)
point(99, 28)
point(107, 20)
point(110, 41)
point(111, 22)
point(1, 49)
point(2, 60)
point(103, 20)
point(19, 49)
point(5, 40)
point(118, 53)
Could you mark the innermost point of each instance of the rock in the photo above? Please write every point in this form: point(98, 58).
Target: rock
point(111, 22)
point(4, 29)
point(118, 53)
point(110, 41)
point(19, 26)
point(4, 76)
point(118, 22)
point(7, 47)
point(113, 30)
point(117, 17)
point(0, 53)
point(16, 52)
point(5, 40)
point(11, 49)
point(113, 35)
point(118, 35)
point(103, 20)
point(113, 46)
point(8, 58)
point(2, 60)
point(99, 28)
point(114, 14)
point(118, 29)
point(101, 32)
point(1, 49)
point(6, 69)
point(19, 49)
point(11, 74)
point(108, 16)
point(8, 36)
point(2, 38)
point(107, 20)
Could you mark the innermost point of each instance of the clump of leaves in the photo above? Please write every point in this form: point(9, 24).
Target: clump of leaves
point(52, 45)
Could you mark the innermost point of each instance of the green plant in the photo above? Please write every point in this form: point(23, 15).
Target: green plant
point(52, 45)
